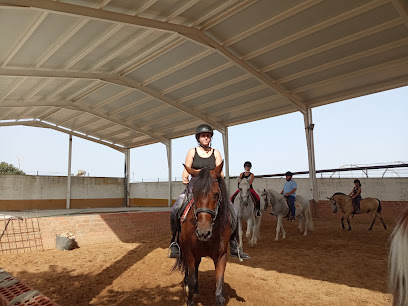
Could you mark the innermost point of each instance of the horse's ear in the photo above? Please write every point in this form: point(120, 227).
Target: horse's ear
point(218, 169)
point(191, 171)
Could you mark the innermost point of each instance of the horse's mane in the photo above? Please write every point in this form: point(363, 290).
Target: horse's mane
point(339, 193)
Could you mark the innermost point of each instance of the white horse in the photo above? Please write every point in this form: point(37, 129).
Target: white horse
point(398, 262)
point(280, 209)
point(245, 208)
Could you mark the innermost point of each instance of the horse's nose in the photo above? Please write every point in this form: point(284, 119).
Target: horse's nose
point(203, 235)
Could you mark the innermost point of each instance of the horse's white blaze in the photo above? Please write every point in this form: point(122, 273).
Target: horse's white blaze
point(398, 262)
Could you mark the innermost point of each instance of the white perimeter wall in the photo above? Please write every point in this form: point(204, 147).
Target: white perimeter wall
point(20, 187)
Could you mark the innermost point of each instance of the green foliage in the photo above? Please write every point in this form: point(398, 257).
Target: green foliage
point(6, 168)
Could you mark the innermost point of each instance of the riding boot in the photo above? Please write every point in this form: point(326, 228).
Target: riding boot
point(174, 247)
point(234, 249)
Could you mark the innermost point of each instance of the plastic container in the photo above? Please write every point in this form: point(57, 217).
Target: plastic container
point(64, 243)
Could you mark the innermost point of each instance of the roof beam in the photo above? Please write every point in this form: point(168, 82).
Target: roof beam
point(346, 76)
point(26, 36)
point(189, 32)
point(114, 79)
point(274, 20)
point(40, 124)
point(102, 115)
point(315, 28)
point(331, 45)
point(402, 10)
point(345, 60)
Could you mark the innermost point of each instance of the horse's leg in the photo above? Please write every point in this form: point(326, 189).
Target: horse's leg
point(191, 278)
point(240, 232)
point(219, 279)
point(249, 227)
point(373, 216)
point(279, 218)
point(382, 220)
point(347, 216)
point(306, 223)
point(283, 230)
point(342, 222)
point(196, 290)
point(300, 223)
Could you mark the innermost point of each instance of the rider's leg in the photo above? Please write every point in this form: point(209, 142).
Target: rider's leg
point(174, 225)
point(257, 203)
point(232, 199)
point(357, 200)
point(234, 249)
point(292, 207)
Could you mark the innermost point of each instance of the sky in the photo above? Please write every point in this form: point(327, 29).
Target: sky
point(372, 129)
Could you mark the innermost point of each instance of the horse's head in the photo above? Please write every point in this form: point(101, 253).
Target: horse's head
point(244, 192)
point(333, 203)
point(207, 199)
point(264, 198)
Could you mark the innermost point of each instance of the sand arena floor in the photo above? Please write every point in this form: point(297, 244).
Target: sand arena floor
point(328, 267)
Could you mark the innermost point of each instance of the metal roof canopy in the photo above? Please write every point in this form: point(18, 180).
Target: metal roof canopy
point(129, 73)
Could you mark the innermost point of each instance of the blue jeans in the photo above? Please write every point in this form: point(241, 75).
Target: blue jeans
point(291, 201)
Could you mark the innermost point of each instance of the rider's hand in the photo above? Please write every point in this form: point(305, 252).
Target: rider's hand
point(185, 181)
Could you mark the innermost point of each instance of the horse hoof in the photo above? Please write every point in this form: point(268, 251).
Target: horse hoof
point(276, 239)
point(349, 229)
point(283, 237)
point(304, 234)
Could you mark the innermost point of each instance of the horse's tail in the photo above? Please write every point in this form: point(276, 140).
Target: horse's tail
point(310, 224)
point(379, 206)
point(180, 264)
point(398, 269)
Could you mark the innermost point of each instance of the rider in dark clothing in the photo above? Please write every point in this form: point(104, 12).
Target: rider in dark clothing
point(355, 194)
point(199, 158)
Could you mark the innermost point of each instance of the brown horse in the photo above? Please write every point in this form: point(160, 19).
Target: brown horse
point(398, 262)
point(367, 205)
point(206, 230)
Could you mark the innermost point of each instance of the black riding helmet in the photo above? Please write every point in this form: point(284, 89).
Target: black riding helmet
point(288, 173)
point(203, 128)
point(247, 164)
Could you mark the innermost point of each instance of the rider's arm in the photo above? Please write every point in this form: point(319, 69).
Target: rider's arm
point(282, 191)
point(358, 191)
point(290, 192)
point(351, 193)
point(218, 160)
point(188, 163)
point(251, 179)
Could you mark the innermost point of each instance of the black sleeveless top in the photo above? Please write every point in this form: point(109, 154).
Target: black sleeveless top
point(355, 190)
point(243, 176)
point(201, 162)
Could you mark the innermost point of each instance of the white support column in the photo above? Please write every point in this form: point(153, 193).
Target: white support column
point(168, 147)
point(127, 177)
point(310, 152)
point(68, 204)
point(226, 155)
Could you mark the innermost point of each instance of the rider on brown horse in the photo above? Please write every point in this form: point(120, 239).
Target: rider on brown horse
point(202, 156)
point(355, 194)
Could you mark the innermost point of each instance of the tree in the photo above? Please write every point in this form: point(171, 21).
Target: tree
point(6, 168)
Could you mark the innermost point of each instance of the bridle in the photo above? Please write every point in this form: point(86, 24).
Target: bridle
point(269, 202)
point(212, 212)
point(242, 198)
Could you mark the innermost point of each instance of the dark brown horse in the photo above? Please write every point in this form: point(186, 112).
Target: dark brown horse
point(206, 230)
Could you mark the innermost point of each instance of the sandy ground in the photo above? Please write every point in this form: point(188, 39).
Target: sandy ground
point(328, 267)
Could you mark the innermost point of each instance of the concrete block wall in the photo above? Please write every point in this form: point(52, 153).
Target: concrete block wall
point(87, 229)
point(19, 192)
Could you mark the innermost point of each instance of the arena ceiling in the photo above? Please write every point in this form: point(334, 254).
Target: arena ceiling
point(128, 73)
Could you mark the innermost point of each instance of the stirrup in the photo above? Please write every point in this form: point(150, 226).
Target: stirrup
point(169, 249)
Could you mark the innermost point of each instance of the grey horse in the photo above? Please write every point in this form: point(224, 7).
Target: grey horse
point(245, 208)
point(280, 209)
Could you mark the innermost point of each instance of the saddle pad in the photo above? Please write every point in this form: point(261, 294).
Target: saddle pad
point(186, 210)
